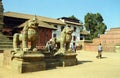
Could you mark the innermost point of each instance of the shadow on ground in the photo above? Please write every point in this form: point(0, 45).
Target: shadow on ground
point(84, 61)
point(102, 58)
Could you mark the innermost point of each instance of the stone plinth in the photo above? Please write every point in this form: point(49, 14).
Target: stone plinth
point(67, 59)
point(50, 60)
point(25, 61)
point(7, 58)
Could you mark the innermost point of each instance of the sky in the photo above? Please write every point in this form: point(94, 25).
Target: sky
point(109, 9)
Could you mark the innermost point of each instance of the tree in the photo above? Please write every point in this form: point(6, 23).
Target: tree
point(73, 17)
point(94, 24)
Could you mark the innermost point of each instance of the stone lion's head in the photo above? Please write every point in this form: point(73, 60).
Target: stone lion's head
point(67, 30)
point(33, 23)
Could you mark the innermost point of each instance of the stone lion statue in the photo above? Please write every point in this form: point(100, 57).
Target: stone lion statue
point(29, 34)
point(63, 42)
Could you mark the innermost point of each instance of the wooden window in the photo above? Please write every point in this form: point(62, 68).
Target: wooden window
point(54, 35)
point(74, 29)
point(62, 28)
point(81, 36)
point(55, 26)
point(74, 44)
point(74, 38)
point(69, 26)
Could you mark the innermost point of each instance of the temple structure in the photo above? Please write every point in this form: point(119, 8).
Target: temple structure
point(108, 41)
point(2, 37)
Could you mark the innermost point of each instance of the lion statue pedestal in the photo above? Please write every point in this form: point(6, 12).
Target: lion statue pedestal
point(64, 54)
point(28, 61)
point(63, 41)
point(23, 59)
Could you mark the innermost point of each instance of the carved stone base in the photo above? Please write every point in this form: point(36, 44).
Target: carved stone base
point(67, 59)
point(27, 62)
point(30, 61)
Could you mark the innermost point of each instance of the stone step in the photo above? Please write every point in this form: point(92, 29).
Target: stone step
point(115, 29)
point(6, 46)
point(113, 32)
point(107, 41)
point(6, 43)
point(4, 38)
point(110, 36)
point(106, 48)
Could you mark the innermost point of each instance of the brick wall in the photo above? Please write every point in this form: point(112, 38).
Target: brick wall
point(108, 41)
point(45, 35)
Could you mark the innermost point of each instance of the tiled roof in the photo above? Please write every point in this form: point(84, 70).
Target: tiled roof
point(74, 23)
point(41, 24)
point(28, 16)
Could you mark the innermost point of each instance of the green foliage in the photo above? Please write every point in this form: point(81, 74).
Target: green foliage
point(73, 17)
point(94, 24)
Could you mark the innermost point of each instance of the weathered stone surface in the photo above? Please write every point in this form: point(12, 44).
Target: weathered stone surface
point(29, 34)
point(7, 58)
point(67, 59)
point(22, 62)
point(21, 66)
point(63, 42)
point(22, 59)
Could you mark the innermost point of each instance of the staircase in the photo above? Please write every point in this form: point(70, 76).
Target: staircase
point(5, 43)
point(5, 46)
point(108, 41)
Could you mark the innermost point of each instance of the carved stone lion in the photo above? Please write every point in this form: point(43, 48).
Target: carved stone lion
point(63, 42)
point(29, 34)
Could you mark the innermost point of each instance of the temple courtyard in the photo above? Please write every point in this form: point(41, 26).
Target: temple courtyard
point(88, 67)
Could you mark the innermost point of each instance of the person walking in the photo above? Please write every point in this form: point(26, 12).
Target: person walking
point(99, 51)
point(74, 47)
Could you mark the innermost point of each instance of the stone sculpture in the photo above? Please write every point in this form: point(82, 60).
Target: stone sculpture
point(63, 42)
point(29, 34)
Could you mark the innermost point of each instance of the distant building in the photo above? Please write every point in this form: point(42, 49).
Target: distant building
point(73, 24)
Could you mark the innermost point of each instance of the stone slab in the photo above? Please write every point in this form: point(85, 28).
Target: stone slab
point(67, 59)
point(25, 62)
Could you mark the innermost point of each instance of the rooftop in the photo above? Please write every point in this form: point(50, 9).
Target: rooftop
point(28, 16)
point(41, 24)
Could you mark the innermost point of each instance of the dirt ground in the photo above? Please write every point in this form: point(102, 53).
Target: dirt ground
point(88, 67)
